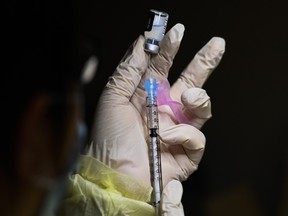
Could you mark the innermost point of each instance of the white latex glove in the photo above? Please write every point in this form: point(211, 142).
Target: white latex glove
point(171, 199)
point(120, 130)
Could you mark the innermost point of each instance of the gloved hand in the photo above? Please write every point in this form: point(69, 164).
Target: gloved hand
point(171, 199)
point(121, 138)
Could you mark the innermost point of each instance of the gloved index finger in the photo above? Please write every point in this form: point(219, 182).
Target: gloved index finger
point(169, 46)
point(130, 70)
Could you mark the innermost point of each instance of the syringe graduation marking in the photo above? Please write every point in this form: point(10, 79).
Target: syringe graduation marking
point(154, 148)
point(154, 33)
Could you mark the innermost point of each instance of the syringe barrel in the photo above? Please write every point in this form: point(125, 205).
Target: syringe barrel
point(152, 113)
point(155, 169)
point(154, 151)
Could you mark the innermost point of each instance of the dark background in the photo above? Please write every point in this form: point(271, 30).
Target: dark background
point(244, 170)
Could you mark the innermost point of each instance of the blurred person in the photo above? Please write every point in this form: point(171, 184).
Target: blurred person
point(42, 105)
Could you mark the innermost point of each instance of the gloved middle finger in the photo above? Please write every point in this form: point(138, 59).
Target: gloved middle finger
point(200, 68)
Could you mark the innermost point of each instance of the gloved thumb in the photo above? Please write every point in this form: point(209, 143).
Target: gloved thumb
point(171, 199)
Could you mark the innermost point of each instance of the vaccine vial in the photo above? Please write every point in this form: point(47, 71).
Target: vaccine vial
point(155, 30)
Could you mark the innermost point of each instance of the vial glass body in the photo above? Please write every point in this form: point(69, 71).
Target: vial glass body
point(155, 30)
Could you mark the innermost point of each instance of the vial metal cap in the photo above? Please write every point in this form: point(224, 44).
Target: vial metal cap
point(153, 48)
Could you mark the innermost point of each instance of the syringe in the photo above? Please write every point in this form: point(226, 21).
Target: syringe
point(154, 145)
point(154, 33)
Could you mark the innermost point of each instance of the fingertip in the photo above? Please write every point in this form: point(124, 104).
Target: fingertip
point(138, 54)
point(194, 97)
point(218, 40)
point(174, 190)
point(139, 43)
point(176, 32)
point(183, 134)
point(137, 47)
point(196, 106)
point(175, 185)
point(171, 199)
point(217, 45)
